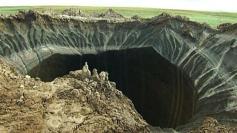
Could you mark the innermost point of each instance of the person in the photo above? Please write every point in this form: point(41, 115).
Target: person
point(95, 75)
point(85, 70)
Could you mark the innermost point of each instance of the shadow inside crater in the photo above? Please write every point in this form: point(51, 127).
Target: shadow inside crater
point(160, 91)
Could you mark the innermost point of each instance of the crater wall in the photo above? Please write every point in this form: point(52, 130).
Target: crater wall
point(206, 56)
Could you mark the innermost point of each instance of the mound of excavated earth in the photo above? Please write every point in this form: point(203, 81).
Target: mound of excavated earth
point(78, 102)
point(178, 74)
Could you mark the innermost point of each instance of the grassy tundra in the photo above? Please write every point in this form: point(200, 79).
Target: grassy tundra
point(211, 18)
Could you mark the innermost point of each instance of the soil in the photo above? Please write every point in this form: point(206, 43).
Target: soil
point(74, 103)
point(211, 125)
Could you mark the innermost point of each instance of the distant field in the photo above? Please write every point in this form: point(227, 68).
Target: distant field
point(212, 18)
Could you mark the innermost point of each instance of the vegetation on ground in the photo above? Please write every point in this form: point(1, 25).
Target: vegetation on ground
point(211, 18)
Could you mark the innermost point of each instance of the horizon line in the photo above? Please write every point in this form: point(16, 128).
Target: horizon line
point(179, 9)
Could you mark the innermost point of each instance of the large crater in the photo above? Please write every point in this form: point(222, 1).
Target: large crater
point(161, 92)
point(175, 71)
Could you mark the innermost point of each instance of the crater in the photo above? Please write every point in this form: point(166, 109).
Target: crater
point(161, 92)
point(175, 71)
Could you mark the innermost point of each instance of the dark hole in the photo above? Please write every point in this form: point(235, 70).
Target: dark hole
point(161, 93)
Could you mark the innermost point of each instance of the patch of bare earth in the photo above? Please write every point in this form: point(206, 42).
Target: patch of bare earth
point(78, 102)
point(211, 125)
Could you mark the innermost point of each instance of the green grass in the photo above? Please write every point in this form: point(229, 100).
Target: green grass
point(211, 18)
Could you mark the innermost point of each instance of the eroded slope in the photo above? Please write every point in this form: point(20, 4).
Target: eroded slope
point(77, 102)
